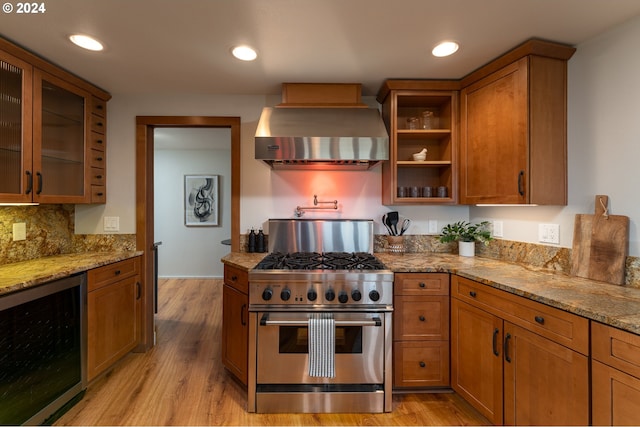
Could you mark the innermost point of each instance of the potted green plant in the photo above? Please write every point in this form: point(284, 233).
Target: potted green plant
point(466, 234)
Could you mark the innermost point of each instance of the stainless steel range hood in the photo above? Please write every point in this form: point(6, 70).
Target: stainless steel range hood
point(321, 138)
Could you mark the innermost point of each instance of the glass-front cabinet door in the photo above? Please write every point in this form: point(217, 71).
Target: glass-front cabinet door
point(60, 135)
point(15, 129)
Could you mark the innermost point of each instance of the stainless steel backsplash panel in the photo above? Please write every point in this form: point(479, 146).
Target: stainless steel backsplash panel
point(321, 235)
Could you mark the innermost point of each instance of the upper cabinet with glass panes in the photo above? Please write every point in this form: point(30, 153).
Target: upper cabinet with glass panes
point(51, 150)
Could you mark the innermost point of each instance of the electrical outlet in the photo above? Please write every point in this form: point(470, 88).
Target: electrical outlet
point(433, 226)
point(497, 229)
point(549, 233)
point(19, 231)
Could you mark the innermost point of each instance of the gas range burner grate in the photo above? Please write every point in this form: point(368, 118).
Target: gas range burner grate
point(320, 261)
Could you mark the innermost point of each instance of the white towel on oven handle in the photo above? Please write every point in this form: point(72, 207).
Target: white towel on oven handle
point(322, 343)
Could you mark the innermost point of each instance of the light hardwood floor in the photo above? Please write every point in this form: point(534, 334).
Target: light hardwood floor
point(181, 381)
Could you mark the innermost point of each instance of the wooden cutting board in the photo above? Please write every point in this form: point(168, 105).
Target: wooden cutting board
point(600, 244)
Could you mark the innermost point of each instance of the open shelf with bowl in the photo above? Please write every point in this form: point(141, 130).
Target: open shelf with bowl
point(420, 114)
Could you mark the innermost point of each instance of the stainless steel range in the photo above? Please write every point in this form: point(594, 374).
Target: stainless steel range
point(320, 309)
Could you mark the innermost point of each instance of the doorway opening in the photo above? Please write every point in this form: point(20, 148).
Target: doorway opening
point(145, 126)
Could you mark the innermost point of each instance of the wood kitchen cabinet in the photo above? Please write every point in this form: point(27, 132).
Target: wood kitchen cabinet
point(235, 316)
point(46, 131)
point(517, 361)
point(406, 100)
point(615, 368)
point(513, 128)
point(421, 330)
point(113, 313)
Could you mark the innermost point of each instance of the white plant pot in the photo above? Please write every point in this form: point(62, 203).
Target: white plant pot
point(467, 248)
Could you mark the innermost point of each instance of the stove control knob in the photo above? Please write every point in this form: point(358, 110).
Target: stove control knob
point(312, 295)
point(343, 297)
point(356, 295)
point(285, 295)
point(267, 294)
point(330, 295)
point(374, 295)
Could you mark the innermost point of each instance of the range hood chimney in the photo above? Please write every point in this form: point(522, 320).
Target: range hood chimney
point(310, 131)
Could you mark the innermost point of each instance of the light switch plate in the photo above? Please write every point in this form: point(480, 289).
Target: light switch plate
point(19, 231)
point(111, 223)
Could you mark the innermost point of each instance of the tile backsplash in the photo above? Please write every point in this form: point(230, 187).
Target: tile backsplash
point(50, 231)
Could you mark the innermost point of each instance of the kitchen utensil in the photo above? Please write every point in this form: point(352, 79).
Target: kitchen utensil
point(600, 244)
point(385, 221)
point(393, 218)
point(405, 225)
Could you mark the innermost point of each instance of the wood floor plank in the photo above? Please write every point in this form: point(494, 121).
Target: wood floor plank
point(181, 381)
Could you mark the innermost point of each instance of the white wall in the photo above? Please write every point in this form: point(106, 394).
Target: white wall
point(602, 144)
point(191, 251)
point(121, 144)
point(603, 140)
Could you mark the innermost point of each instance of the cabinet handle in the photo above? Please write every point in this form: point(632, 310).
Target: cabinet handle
point(473, 294)
point(506, 348)
point(117, 272)
point(99, 141)
point(422, 364)
point(39, 190)
point(234, 278)
point(496, 331)
point(520, 179)
point(422, 319)
point(242, 310)
point(99, 176)
point(138, 290)
point(100, 194)
point(539, 319)
point(29, 182)
point(422, 285)
point(99, 159)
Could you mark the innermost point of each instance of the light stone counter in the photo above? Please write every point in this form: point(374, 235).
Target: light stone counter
point(614, 305)
point(21, 275)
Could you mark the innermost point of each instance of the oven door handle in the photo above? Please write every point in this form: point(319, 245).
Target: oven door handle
point(374, 321)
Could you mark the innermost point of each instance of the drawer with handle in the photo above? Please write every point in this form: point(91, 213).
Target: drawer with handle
point(98, 124)
point(111, 273)
point(421, 284)
point(98, 107)
point(421, 364)
point(560, 326)
point(421, 318)
point(98, 141)
point(236, 278)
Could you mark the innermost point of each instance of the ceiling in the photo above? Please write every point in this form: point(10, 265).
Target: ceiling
point(182, 46)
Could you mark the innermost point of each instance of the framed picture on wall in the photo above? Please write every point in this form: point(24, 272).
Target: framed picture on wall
point(201, 200)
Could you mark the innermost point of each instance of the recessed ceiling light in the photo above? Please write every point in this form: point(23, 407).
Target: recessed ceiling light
point(445, 49)
point(86, 42)
point(244, 53)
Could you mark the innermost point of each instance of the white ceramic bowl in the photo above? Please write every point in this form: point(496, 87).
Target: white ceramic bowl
point(419, 157)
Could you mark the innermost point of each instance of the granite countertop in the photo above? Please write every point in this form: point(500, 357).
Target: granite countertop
point(25, 274)
point(614, 305)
